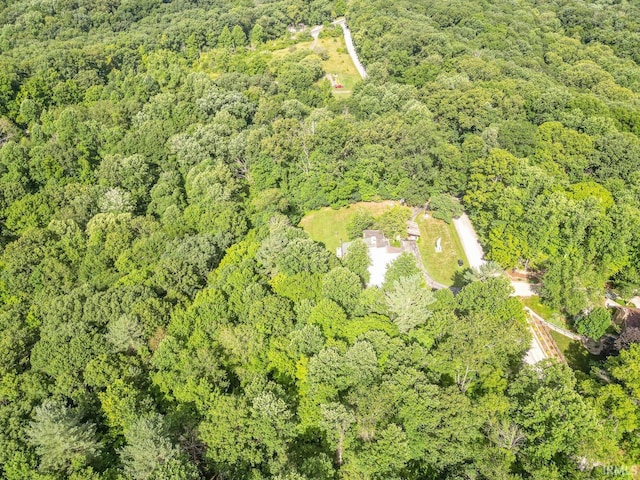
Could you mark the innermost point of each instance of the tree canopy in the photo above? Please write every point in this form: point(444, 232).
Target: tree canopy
point(161, 314)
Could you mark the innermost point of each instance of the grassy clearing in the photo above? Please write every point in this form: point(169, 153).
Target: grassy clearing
point(549, 314)
point(442, 267)
point(329, 226)
point(338, 62)
point(576, 355)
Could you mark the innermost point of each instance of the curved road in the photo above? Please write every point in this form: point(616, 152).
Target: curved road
point(475, 254)
point(430, 281)
point(315, 33)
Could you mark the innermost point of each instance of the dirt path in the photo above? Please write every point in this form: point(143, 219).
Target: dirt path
point(315, 33)
point(351, 48)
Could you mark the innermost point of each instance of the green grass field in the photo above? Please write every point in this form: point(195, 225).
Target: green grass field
point(546, 312)
point(442, 266)
point(338, 62)
point(576, 355)
point(329, 225)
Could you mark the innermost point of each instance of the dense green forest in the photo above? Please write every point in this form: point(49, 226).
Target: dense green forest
point(161, 315)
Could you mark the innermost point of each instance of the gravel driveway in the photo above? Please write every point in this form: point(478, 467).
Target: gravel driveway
point(469, 239)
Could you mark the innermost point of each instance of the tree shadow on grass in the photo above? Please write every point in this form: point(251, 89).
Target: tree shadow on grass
point(579, 358)
point(458, 278)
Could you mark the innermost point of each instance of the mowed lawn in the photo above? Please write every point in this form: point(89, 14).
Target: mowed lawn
point(339, 64)
point(549, 314)
point(443, 266)
point(576, 355)
point(329, 225)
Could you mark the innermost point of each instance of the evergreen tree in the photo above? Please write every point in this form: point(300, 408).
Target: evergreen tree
point(150, 454)
point(257, 35)
point(225, 40)
point(61, 439)
point(238, 37)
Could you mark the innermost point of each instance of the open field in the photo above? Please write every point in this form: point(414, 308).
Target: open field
point(443, 266)
point(338, 62)
point(329, 225)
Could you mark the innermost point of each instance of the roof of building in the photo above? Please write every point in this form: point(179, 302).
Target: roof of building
point(380, 253)
point(372, 233)
point(371, 236)
point(413, 229)
point(341, 251)
point(380, 260)
point(628, 317)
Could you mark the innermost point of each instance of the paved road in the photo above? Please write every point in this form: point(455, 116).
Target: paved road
point(475, 254)
point(523, 289)
point(469, 239)
point(611, 303)
point(351, 48)
point(542, 342)
point(535, 353)
point(542, 345)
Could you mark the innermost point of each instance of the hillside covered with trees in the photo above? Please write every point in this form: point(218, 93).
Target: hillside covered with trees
point(161, 315)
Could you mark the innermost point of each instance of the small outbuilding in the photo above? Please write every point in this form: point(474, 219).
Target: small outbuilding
point(413, 231)
point(374, 238)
